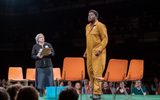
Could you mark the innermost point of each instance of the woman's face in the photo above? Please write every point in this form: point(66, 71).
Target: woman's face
point(41, 38)
point(122, 84)
point(77, 86)
point(105, 84)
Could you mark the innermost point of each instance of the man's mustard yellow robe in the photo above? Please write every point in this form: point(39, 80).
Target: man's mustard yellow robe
point(96, 39)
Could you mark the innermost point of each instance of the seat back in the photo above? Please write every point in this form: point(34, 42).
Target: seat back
point(30, 74)
point(57, 73)
point(73, 68)
point(116, 70)
point(15, 73)
point(136, 69)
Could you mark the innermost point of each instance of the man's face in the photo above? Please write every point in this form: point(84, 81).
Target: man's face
point(91, 17)
point(137, 84)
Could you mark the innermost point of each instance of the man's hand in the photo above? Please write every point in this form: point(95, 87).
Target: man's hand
point(84, 55)
point(97, 53)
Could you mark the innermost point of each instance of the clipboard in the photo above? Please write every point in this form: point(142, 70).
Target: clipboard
point(45, 51)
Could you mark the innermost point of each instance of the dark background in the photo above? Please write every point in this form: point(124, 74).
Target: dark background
point(133, 30)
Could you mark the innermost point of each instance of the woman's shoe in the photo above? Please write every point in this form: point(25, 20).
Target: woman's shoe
point(41, 92)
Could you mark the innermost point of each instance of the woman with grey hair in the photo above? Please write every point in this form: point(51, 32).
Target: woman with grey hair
point(43, 63)
point(4, 94)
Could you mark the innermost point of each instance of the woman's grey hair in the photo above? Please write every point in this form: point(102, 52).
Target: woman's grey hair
point(37, 36)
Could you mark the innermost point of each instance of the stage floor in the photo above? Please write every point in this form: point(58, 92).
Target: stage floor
point(110, 97)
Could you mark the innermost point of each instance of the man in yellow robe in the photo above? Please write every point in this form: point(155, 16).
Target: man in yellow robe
point(96, 42)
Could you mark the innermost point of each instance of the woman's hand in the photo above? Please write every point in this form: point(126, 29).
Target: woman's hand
point(39, 55)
